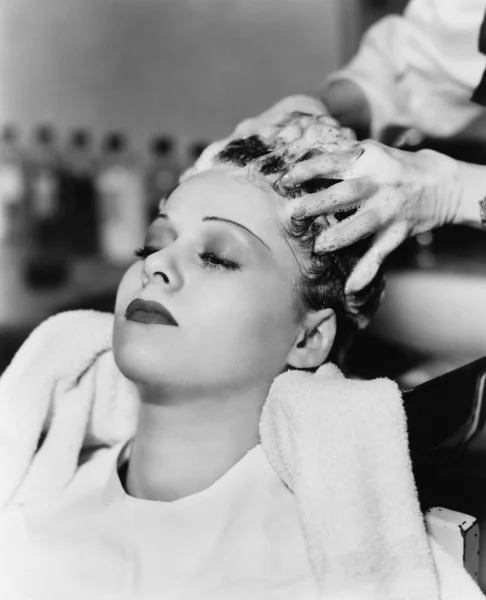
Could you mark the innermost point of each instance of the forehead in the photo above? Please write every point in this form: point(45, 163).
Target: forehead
point(231, 193)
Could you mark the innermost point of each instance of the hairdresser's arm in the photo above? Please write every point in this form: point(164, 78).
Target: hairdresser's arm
point(363, 95)
point(417, 71)
point(396, 194)
point(348, 104)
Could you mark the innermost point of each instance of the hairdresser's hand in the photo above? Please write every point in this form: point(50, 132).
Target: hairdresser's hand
point(270, 123)
point(396, 193)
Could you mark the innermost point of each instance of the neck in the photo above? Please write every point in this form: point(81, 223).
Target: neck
point(181, 446)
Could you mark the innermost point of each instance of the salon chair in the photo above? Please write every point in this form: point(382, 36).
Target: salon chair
point(446, 420)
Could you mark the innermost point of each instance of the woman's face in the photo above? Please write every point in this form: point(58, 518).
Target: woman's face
point(221, 265)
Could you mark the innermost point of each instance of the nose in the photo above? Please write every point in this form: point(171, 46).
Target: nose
point(161, 268)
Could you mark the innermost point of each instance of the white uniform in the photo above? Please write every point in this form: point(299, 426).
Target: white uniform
point(424, 69)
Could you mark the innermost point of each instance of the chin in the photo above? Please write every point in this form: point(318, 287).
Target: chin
point(135, 356)
point(148, 363)
point(128, 363)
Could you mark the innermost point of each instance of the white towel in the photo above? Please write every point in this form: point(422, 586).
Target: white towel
point(51, 384)
point(339, 444)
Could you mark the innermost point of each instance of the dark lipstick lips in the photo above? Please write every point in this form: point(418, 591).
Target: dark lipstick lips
point(148, 311)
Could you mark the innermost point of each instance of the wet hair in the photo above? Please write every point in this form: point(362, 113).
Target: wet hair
point(323, 276)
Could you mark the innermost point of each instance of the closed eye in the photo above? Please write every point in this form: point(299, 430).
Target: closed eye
point(210, 260)
point(145, 251)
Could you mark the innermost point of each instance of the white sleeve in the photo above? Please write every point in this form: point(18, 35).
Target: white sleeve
point(420, 69)
point(375, 70)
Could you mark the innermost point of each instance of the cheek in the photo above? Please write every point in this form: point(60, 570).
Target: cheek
point(127, 291)
point(127, 287)
point(255, 314)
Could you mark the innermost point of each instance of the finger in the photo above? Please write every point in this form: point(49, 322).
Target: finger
point(363, 273)
point(244, 128)
point(348, 232)
point(331, 165)
point(341, 196)
point(266, 128)
point(299, 103)
point(266, 124)
point(317, 141)
point(326, 119)
point(409, 137)
point(348, 133)
point(290, 133)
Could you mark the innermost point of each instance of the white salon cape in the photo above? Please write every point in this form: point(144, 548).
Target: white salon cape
point(238, 539)
point(421, 69)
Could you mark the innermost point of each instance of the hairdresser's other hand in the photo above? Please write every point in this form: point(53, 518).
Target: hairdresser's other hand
point(269, 123)
point(397, 194)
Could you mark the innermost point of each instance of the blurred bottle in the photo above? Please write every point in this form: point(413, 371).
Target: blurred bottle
point(48, 257)
point(122, 202)
point(12, 184)
point(162, 172)
point(78, 193)
point(44, 171)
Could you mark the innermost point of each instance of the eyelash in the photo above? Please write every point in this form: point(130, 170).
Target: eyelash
point(210, 260)
point(145, 251)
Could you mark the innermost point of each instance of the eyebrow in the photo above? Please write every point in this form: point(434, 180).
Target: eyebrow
point(166, 217)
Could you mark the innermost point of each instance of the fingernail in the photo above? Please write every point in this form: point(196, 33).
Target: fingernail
point(299, 212)
point(353, 286)
point(286, 178)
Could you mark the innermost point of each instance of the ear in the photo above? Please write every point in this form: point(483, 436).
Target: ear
point(314, 341)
